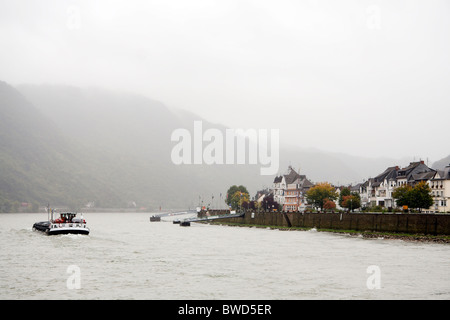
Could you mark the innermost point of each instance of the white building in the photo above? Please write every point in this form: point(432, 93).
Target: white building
point(440, 190)
point(378, 191)
point(289, 190)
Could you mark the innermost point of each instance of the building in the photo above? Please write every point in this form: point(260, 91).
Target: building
point(279, 185)
point(291, 198)
point(295, 194)
point(261, 194)
point(382, 187)
point(289, 190)
point(364, 191)
point(413, 173)
point(378, 191)
point(440, 190)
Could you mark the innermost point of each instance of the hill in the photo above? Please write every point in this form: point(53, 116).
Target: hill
point(71, 145)
point(442, 163)
point(38, 163)
point(123, 141)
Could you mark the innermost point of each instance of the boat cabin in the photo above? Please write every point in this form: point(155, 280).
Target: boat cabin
point(68, 217)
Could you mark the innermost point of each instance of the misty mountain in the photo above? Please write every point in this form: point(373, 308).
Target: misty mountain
point(442, 163)
point(129, 122)
point(337, 168)
point(70, 145)
point(121, 140)
point(37, 161)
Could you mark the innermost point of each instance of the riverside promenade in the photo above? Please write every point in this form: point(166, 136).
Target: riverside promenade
point(408, 223)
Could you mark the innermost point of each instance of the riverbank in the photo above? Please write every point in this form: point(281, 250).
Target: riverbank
point(388, 224)
point(353, 233)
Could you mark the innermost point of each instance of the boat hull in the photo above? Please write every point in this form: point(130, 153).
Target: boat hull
point(50, 229)
point(68, 231)
point(42, 226)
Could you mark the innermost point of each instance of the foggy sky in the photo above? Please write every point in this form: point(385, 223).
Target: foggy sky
point(367, 78)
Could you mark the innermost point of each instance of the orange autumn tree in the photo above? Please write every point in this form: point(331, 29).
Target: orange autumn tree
point(351, 202)
point(318, 194)
point(329, 204)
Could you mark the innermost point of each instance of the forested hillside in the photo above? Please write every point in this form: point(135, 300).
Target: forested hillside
point(72, 146)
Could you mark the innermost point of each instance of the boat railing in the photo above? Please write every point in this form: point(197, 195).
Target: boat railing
point(69, 225)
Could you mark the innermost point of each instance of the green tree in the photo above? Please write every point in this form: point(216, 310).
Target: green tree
point(351, 202)
point(402, 195)
point(420, 196)
point(5, 205)
point(15, 206)
point(319, 193)
point(236, 195)
point(35, 207)
point(239, 199)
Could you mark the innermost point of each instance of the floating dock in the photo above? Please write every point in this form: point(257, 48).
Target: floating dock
point(187, 222)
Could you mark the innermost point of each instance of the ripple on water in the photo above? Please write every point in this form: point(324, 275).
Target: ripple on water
point(164, 261)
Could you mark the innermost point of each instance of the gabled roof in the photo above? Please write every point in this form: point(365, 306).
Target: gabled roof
point(412, 171)
point(278, 179)
point(389, 173)
point(376, 184)
point(262, 193)
point(439, 175)
point(302, 182)
point(410, 167)
point(414, 166)
point(446, 173)
point(423, 176)
point(292, 176)
point(442, 174)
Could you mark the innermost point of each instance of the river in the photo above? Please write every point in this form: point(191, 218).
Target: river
point(128, 257)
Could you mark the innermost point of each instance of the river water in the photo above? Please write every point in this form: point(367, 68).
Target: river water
point(127, 257)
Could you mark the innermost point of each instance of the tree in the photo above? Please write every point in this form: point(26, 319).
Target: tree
point(34, 207)
point(402, 195)
point(5, 205)
point(236, 195)
point(252, 205)
point(321, 191)
point(239, 200)
point(418, 196)
point(351, 202)
point(329, 204)
point(269, 203)
point(344, 192)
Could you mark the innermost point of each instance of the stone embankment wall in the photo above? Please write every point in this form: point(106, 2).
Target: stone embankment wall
point(434, 224)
